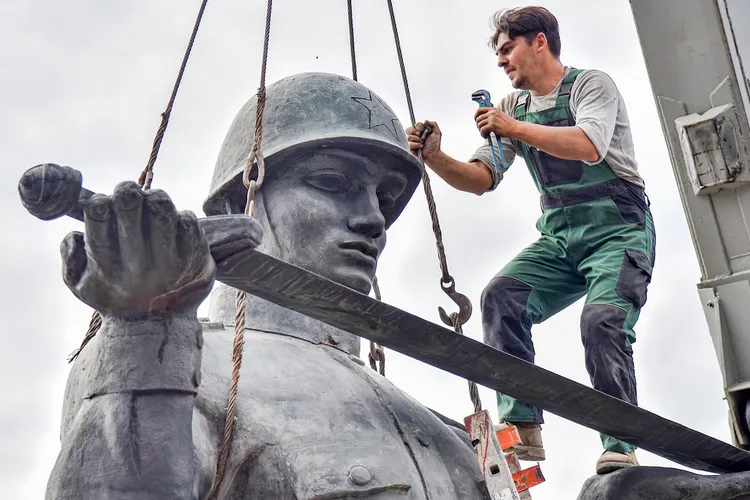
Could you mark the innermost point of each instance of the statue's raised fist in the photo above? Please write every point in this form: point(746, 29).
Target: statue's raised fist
point(139, 255)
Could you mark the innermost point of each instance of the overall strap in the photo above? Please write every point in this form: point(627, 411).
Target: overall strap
point(522, 105)
point(563, 98)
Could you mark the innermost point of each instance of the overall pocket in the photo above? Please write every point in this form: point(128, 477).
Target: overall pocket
point(635, 276)
point(632, 210)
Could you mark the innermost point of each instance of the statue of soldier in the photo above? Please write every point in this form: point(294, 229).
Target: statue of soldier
point(144, 409)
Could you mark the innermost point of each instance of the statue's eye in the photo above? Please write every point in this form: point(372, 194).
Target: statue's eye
point(386, 199)
point(390, 190)
point(330, 182)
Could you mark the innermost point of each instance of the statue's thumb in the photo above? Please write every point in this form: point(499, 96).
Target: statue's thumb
point(73, 253)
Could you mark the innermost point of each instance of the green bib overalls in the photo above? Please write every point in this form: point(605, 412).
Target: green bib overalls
point(598, 241)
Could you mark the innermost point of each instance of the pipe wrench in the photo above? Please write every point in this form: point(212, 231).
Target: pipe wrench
point(482, 97)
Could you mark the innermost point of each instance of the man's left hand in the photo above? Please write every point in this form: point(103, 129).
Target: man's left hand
point(493, 120)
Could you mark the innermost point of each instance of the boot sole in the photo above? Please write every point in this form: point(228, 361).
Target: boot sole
point(608, 467)
point(529, 453)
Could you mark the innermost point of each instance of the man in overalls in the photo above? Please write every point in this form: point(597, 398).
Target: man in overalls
point(597, 234)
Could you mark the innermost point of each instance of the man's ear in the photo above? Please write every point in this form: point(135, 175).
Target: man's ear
point(540, 42)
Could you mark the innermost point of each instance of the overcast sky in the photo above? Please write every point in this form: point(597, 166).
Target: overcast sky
point(83, 84)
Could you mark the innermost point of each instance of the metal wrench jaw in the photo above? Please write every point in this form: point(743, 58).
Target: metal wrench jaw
point(461, 300)
point(482, 97)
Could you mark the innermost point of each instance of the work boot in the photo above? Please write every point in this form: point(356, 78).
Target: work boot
point(531, 448)
point(611, 461)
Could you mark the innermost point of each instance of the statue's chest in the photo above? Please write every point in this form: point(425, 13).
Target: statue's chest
point(333, 431)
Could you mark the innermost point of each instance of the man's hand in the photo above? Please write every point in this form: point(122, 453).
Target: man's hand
point(431, 145)
point(493, 120)
point(140, 255)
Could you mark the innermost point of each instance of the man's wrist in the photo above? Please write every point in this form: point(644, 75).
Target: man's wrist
point(516, 129)
point(436, 160)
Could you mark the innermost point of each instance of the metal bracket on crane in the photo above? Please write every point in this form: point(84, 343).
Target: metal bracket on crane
point(716, 157)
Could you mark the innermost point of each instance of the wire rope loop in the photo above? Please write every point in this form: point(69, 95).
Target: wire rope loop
point(377, 358)
point(456, 320)
point(250, 203)
point(260, 160)
point(447, 283)
point(248, 169)
point(255, 158)
point(252, 185)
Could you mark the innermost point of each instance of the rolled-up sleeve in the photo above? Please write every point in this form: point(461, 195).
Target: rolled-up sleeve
point(484, 155)
point(596, 104)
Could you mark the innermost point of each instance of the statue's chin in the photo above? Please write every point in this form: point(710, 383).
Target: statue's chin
point(356, 279)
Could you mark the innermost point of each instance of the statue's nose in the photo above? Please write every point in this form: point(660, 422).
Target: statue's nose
point(365, 216)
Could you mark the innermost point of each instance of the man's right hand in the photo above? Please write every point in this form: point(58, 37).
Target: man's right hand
point(430, 146)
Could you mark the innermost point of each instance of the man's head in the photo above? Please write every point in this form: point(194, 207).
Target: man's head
point(338, 174)
point(526, 41)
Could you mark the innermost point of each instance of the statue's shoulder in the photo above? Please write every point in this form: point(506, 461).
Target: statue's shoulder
point(271, 364)
point(263, 353)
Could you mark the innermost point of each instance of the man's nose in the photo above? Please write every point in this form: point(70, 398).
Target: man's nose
point(365, 216)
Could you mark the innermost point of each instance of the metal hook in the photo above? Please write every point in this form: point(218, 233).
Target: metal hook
point(463, 302)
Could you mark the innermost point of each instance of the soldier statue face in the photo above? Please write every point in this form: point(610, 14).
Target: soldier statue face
point(338, 172)
point(323, 211)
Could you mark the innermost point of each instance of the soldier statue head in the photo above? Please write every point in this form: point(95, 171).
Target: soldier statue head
point(338, 173)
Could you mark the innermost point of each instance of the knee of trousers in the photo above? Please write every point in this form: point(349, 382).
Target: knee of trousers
point(608, 352)
point(504, 307)
point(602, 328)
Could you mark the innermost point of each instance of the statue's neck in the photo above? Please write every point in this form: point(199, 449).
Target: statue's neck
point(266, 316)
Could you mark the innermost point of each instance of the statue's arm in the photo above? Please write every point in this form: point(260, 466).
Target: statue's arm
point(130, 427)
point(128, 424)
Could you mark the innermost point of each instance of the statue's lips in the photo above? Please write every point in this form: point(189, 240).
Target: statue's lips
point(361, 250)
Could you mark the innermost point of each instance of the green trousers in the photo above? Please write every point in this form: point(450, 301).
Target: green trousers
point(602, 249)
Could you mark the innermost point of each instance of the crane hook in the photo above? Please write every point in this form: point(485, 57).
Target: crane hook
point(461, 300)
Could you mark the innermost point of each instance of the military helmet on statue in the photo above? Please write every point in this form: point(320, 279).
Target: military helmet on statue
point(314, 111)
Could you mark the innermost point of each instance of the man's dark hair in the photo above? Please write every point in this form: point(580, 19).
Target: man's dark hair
point(527, 22)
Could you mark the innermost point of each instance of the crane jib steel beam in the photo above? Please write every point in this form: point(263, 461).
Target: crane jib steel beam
point(322, 299)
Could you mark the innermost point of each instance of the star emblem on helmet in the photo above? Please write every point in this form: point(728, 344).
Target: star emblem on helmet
point(378, 114)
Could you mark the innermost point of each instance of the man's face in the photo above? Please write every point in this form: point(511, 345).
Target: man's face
point(325, 213)
point(518, 59)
